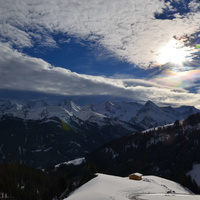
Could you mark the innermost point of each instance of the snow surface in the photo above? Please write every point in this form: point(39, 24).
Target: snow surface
point(120, 110)
point(77, 161)
point(37, 110)
point(106, 113)
point(106, 187)
point(156, 128)
point(195, 173)
point(146, 116)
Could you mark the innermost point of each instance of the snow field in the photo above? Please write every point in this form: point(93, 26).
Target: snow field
point(195, 173)
point(106, 187)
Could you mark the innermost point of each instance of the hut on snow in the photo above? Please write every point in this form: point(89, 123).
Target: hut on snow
point(135, 176)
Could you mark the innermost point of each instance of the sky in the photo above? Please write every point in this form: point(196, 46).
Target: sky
point(93, 50)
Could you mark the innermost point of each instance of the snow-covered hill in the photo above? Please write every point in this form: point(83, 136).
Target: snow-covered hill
point(106, 187)
point(168, 151)
point(195, 173)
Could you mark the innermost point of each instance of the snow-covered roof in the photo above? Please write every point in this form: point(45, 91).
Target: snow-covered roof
point(137, 174)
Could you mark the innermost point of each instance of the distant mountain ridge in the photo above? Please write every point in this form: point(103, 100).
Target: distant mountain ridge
point(37, 110)
point(146, 116)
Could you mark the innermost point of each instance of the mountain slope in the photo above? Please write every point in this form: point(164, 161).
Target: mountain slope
point(105, 187)
point(119, 110)
point(40, 143)
point(146, 116)
point(168, 151)
point(150, 115)
point(38, 134)
point(143, 116)
point(37, 110)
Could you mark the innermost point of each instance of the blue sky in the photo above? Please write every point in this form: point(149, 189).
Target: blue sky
point(101, 50)
point(80, 57)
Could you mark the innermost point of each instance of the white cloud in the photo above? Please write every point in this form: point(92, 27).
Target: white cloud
point(127, 29)
point(21, 72)
point(185, 79)
point(194, 5)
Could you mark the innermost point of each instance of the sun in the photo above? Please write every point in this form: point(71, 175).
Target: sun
point(174, 52)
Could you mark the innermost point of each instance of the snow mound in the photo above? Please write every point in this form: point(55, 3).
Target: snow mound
point(106, 187)
point(195, 173)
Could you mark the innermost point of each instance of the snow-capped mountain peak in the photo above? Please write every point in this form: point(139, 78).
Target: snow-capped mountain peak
point(70, 106)
point(150, 105)
point(39, 109)
point(146, 116)
point(150, 115)
point(118, 110)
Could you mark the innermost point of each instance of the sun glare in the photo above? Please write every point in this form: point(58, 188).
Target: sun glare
point(174, 52)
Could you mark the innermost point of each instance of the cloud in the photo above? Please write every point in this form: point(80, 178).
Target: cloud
point(128, 29)
point(21, 72)
point(184, 79)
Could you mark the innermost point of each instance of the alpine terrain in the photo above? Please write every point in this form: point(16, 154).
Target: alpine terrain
point(106, 187)
point(171, 151)
point(39, 134)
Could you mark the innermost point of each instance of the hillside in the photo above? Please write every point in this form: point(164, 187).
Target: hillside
point(106, 187)
point(169, 151)
point(40, 134)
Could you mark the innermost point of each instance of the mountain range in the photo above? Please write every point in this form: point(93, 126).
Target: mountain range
point(146, 116)
point(39, 134)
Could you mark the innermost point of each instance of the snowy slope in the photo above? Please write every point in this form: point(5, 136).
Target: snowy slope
point(106, 187)
point(77, 161)
point(83, 113)
point(143, 116)
point(36, 110)
point(120, 110)
point(195, 173)
point(147, 116)
point(150, 115)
